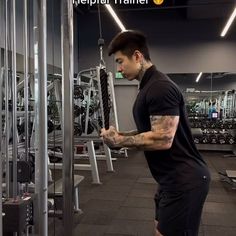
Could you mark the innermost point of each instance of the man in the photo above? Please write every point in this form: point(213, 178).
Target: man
point(163, 133)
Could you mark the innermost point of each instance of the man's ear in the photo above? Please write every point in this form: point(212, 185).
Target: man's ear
point(138, 56)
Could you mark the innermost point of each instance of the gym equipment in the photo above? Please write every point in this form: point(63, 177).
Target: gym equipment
point(77, 111)
point(90, 127)
point(221, 138)
point(105, 98)
point(78, 92)
point(50, 126)
point(55, 192)
point(230, 139)
point(213, 138)
point(78, 130)
point(18, 214)
point(21, 128)
point(24, 171)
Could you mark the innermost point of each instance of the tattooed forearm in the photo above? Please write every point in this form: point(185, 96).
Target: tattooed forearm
point(160, 137)
point(146, 141)
point(128, 133)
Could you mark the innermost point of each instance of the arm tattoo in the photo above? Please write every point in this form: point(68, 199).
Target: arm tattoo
point(160, 136)
point(162, 122)
point(133, 141)
point(128, 133)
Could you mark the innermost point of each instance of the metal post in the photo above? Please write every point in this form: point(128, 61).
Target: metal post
point(1, 83)
point(57, 86)
point(26, 82)
point(67, 111)
point(41, 156)
point(1, 79)
point(93, 162)
point(14, 101)
point(6, 100)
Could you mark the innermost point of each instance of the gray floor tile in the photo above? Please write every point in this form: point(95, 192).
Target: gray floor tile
point(139, 192)
point(145, 186)
point(98, 204)
point(219, 219)
point(212, 197)
point(216, 207)
point(219, 231)
point(217, 191)
point(114, 188)
point(89, 230)
point(146, 180)
point(117, 181)
point(98, 217)
point(132, 213)
point(131, 227)
point(118, 235)
point(115, 196)
point(123, 205)
point(139, 202)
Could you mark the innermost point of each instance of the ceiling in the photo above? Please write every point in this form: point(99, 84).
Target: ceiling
point(187, 9)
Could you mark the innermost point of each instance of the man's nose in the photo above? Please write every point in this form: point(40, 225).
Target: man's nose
point(119, 69)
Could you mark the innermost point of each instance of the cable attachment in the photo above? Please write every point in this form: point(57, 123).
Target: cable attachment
point(101, 43)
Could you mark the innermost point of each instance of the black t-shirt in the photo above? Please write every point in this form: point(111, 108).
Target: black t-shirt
point(181, 166)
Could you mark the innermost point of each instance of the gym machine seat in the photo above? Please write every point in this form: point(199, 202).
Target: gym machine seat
point(55, 191)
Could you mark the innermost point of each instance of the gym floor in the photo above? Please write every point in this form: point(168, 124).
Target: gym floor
point(123, 205)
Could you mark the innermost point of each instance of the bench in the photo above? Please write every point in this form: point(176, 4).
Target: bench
point(55, 190)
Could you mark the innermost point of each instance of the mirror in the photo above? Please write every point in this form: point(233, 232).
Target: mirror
point(210, 100)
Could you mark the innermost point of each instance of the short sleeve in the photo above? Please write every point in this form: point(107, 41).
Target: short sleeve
point(163, 99)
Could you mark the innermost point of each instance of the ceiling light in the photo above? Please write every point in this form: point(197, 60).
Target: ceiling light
point(115, 17)
point(228, 24)
point(198, 77)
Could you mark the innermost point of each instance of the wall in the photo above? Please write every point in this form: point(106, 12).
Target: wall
point(177, 45)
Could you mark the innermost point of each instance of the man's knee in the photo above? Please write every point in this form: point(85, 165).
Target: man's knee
point(157, 233)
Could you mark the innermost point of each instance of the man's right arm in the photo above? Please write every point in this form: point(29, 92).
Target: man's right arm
point(128, 133)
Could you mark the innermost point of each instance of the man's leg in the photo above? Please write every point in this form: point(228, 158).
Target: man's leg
point(157, 200)
point(157, 233)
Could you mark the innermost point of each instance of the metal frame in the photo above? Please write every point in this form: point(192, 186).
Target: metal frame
point(1, 83)
point(26, 81)
point(41, 163)
point(6, 129)
point(67, 113)
point(14, 100)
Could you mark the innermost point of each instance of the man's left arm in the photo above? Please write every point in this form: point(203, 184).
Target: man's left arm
point(160, 137)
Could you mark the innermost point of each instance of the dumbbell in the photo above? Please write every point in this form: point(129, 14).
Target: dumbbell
point(230, 139)
point(228, 124)
point(221, 138)
point(204, 124)
point(205, 139)
point(213, 124)
point(213, 138)
point(197, 140)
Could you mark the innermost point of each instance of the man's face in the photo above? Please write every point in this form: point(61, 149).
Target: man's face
point(129, 67)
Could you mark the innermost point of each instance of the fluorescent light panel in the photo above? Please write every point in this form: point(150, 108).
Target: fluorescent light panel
point(115, 17)
point(228, 24)
point(198, 77)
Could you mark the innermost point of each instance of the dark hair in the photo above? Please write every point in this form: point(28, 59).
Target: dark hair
point(129, 41)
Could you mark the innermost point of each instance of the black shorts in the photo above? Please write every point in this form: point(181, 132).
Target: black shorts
point(179, 212)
